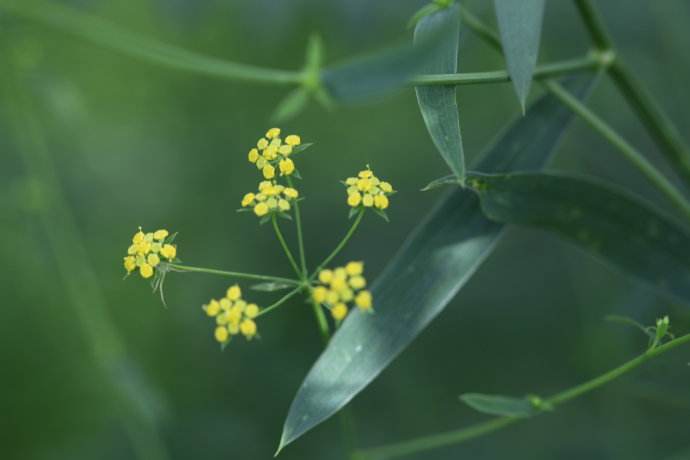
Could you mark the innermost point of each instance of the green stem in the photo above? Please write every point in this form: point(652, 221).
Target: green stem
point(591, 62)
point(241, 275)
point(657, 123)
point(300, 236)
point(654, 176)
point(281, 301)
point(285, 247)
point(139, 46)
point(459, 436)
point(321, 321)
point(626, 149)
point(340, 245)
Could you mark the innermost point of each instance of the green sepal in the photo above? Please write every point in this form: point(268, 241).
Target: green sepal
point(382, 213)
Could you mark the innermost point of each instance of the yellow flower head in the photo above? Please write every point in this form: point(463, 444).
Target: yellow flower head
point(147, 251)
point(341, 286)
point(272, 153)
point(233, 315)
point(368, 191)
point(270, 198)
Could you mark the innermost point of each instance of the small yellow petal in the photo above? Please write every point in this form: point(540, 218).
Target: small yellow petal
point(153, 260)
point(319, 294)
point(283, 205)
point(363, 300)
point(248, 328)
point(291, 193)
point(261, 209)
point(262, 143)
point(358, 282)
point(146, 270)
point(247, 200)
point(339, 311)
point(234, 292)
point(160, 234)
point(253, 155)
point(221, 334)
point(325, 276)
point(368, 200)
point(269, 171)
point(293, 140)
point(272, 133)
point(130, 264)
point(354, 199)
point(381, 201)
point(354, 268)
point(252, 310)
point(212, 308)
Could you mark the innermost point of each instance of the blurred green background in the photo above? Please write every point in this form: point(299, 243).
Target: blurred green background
point(94, 144)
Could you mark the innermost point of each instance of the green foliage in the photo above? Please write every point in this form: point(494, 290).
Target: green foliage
point(437, 103)
point(435, 262)
point(604, 220)
point(520, 25)
point(504, 405)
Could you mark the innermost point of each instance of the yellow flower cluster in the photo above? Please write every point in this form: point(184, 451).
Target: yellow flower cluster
point(368, 190)
point(146, 251)
point(233, 315)
point(342, 286)
point(271, 197)
point(271, 152)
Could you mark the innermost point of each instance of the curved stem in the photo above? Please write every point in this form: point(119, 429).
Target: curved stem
point(658, 125)
point(654, 176)
point(340, 245)
point(459, 436)
point(104, 33)
point(554, 69)
point(281, 301)
point(300, 236)
point(285, 247)
point(241, 275)
point(321, 321)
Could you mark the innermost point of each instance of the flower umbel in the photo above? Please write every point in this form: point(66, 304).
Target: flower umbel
point(233, 316)
point(367, 191)
point(147, 250)
point(341, 287)
point(272, 154)
point(270, 198)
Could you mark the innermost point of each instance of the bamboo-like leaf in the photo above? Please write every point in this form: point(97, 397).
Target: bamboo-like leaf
point(380, 74)
point(437, 259)
point(437, 103)
point(519, 22)
point(603, 219)
point(500, 405)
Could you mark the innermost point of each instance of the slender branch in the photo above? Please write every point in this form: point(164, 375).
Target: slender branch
point(104, 33)
point(555, 69)
point(241, 275)
point(300, 236)
point(321, 321)
point(281, 301)
point(459, 436)
point(285, 246)
point(340, 245)
point(654, 176)
point(626, 149)
point(658, 125)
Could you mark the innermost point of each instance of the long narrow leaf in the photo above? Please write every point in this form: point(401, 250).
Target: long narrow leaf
point(519, 22)
point(607, 221)
point(507, 406)
point(433, 264)
point(437, 103)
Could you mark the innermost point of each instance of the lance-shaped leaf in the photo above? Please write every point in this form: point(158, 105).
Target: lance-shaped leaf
point(437, 103)
point(379, 74)
point(605, 220)
point(519, 22)
point(437, 259)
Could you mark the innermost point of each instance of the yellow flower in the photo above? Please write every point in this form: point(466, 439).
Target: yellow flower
point(160, 234)
point(261, 209)
point(262, 143)
point(153, 260)
point(146, 270)
point(325, 276)
point(363, 300)
point(358, 282)
point(319, 294)
point(287, 167)
point(354, 268)
point(248, 328)
point(212, 308)
point(293, 140)
point(169, 251)
point(291, 193)
point(339, 311)
point(221, 334)
point(253, 155)
point(283, 205)
point(269, 171)
point(234, 292)
point(368, 190)
point(272, 133)
point(130, 264)
point(252, 310)
point(247, 200)
point(138, 237)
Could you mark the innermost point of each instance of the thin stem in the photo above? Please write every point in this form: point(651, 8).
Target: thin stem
point(654, 176)
point(658, 125)
point(459, 436)
point(241, 275)
point(285, 247)
point(554, 69)
point(300, 236)
point(281, 301)
point(340, 245)
point(321, 321)
point(139, 46)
